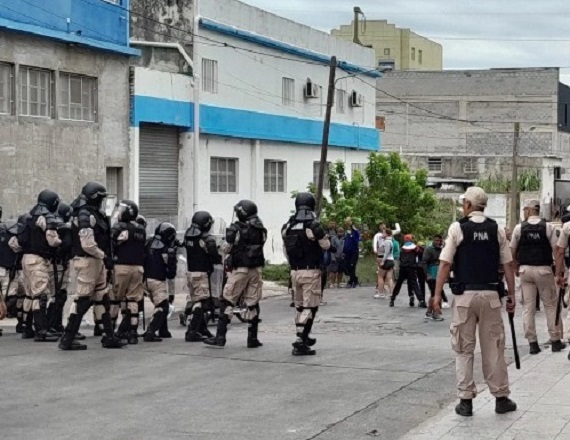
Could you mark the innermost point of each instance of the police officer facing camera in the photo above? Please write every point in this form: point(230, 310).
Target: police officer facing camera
point(305, 240)
point(476, 246)
point(532, 245)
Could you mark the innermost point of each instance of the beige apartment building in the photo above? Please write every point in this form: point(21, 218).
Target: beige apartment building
point(403, 48)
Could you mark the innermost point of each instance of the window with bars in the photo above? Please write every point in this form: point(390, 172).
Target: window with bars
point(435, 164)
point(35, 92)
point(77, 97)
point(288, 92)
point(316, 167)
point(275, 172)
point(6, 78)
point(210, 75)
point(223, 175)
point(470, 166)
point(360, 167)
point(341, 101)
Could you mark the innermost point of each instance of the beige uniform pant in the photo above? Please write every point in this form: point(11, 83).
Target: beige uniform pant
point(36, 270)
point(128, 287)
point(481, 309)
point(157, 292)
point(246, 282)
point(198, 288)
point(306, 293)
point(541, 278)
point(91, 282)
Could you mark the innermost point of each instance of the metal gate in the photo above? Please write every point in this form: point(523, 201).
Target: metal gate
point(158, 172)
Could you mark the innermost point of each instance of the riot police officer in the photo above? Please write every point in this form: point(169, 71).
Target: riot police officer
point(24, 301)
point(476, 246)
point(159, 266)
point(91, 234)
point(532, 245)
point(129, 240)
point(201, 255)
point(305, 239)
point(41, 238)
point(245, 239)
point(59, 273)
point(9, 261)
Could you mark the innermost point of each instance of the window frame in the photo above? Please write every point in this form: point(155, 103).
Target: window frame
point(288, 97)
point(316, 166)
point(10, 88)
point(24, 72)
point(210, 78)
point(435, 164)
point(420, 56)
point(470, 166)
point(217, 174)
point(413, 54)
point(89, 83)
point(341, 101)
point(268, 176)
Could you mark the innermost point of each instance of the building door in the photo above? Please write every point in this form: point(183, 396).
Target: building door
point(158, 173)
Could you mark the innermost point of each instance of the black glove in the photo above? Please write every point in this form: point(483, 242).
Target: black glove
point(108, 262)
point(318, 230)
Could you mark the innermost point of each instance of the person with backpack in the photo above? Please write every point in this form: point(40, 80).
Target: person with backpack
point(408, 272)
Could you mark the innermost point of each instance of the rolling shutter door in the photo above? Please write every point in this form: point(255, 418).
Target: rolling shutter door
point(158, 172)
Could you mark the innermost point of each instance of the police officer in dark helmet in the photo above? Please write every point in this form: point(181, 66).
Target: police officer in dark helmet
point(159, 266)
point(245, 239)
point(91, 234)
point(129, 239)
point(61, 220)
point(201, 255)
point(41, 238)
point(24, 302)
point(305, 239)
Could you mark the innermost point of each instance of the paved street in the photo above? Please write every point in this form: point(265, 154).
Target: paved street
point(378, 373)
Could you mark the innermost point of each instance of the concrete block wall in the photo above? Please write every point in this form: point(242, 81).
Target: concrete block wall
point(38, 153)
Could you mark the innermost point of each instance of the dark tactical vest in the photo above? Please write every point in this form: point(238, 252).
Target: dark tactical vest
point(478, 256)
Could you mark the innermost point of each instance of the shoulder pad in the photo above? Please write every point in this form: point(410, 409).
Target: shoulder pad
point(78, 203)
point(256, 222)
point(54, 222)
point(39, 210)
point(157, 243)
point(193, 233)
point(85, 219)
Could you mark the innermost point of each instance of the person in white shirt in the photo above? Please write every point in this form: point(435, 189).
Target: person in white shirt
point(378, 247)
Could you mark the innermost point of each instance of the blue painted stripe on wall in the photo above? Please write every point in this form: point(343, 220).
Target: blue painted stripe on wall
point(284, 47)
point(251, 125)
point(67, 38)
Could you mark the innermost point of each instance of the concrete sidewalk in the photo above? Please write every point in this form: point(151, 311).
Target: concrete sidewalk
point(540, 390)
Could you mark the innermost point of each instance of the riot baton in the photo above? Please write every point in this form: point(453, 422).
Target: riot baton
point(561, 293)
point(514, 336)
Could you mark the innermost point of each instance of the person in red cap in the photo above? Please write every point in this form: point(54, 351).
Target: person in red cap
point(408, 272)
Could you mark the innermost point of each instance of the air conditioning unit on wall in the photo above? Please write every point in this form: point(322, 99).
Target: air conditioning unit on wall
point(311, 89)
point(356, 99)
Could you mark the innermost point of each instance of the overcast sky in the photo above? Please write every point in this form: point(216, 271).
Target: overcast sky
point(474, 33)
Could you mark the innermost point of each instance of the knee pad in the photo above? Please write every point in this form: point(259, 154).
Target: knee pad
point(12, 305)
point(225, 306)
point(164, 306)
point(196, 306)
point(82, 305)
point(43, 299)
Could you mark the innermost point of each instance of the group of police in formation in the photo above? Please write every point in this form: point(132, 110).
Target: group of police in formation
point(115, 263)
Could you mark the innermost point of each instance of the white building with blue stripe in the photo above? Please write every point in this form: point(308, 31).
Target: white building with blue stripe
point(261, 83)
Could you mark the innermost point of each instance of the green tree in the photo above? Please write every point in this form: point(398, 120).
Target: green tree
point(390, 192)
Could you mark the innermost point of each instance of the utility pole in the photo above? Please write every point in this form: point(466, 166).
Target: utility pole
point(514, 178)
point(326, 130)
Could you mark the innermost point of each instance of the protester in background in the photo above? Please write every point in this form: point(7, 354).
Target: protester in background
point(408, 272)
point(331, 231)
point(420, 269)
point(386, 265)
point(430, 262)
point(396, 252)
point(336, 267)
point(352, 238)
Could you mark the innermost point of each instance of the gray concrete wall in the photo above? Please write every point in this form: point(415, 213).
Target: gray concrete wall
point(422, 110)
point(36, 153)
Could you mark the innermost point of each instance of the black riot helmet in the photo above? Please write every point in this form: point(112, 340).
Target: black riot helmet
point(94, 193)
point(245, 209)
point(20, 225)
point(141, 221)
point(128, 211)
point(48, 199)
point(166, 232)
point(305, 207)
point(202, 220)
point(64, 211)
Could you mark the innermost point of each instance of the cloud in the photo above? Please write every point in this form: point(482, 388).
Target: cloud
point(458, 24)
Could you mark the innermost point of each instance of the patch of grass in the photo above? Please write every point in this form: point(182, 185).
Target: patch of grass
point(278, 273)
point(366, 270)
